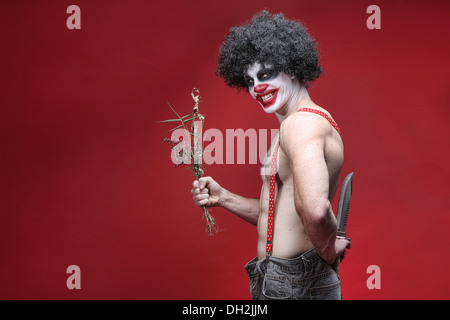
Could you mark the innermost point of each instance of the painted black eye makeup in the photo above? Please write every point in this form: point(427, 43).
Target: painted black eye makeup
point(266, 74)
point(248, 80)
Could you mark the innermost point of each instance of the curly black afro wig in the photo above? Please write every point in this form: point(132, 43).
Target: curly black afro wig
point(275, 40)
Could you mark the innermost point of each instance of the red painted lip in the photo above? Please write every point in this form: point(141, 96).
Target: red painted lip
point(271, 101)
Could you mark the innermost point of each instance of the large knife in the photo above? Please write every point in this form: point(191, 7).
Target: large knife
point(344, 205)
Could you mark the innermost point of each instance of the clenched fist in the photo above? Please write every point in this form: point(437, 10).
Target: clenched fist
point(207, 192)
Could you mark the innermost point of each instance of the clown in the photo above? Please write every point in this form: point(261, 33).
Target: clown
point(275, 60)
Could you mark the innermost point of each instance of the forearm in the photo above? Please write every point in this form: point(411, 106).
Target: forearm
point(321, 227)
point(245, 208)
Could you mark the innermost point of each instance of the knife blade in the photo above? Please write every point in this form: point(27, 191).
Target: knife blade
point(344, 206)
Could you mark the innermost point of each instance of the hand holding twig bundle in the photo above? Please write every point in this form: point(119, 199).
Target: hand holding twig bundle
point(186, 154)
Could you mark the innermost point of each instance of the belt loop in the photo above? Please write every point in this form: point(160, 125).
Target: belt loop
point(305, 265)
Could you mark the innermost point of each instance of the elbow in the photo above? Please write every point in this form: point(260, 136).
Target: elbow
point(317, 214)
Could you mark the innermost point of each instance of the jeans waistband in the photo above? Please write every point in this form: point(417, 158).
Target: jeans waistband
point(298, 264)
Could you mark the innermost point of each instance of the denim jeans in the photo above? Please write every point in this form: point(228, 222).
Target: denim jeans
point(305, 277)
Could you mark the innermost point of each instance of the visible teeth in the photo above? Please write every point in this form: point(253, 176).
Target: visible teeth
point(267, 96)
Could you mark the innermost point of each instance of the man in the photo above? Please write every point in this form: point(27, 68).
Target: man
point(275, 60)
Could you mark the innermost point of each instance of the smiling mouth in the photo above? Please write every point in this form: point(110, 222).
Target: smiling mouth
point(267, 96)
point(268, 99)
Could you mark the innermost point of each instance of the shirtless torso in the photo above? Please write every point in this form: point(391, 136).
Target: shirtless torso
point(290, 238)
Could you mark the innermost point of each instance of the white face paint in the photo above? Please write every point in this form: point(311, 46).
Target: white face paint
point(272, 89)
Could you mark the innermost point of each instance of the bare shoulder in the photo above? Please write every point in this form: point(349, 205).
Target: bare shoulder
point(305, 126)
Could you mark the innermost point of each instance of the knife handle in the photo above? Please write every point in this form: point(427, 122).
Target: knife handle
point(343, 237)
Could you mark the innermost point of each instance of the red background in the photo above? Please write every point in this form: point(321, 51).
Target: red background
point(87, 180)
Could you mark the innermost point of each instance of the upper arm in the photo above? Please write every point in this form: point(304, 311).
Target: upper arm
point(303, 140)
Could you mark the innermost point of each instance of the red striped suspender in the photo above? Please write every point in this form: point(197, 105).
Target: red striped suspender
point(273, 174)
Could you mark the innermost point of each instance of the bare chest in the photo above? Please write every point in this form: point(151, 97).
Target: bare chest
point(276, 162)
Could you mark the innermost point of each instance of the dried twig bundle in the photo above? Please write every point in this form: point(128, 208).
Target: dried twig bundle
point(186, 153)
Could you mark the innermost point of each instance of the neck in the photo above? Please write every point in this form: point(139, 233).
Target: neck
point(293, 103)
